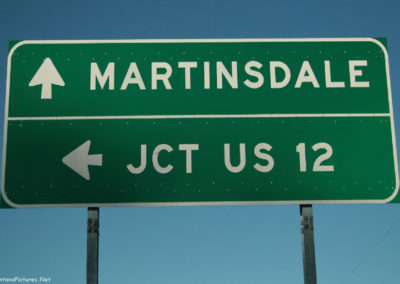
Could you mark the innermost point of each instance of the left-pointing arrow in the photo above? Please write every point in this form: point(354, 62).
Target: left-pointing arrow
point(46, 76)
point(79, 160)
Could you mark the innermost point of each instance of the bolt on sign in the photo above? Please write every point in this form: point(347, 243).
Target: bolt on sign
point(193, 122)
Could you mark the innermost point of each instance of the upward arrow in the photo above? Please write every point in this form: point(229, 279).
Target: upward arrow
point(46, 75)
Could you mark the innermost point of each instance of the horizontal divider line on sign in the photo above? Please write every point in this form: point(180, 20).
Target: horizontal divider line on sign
point(194, 116)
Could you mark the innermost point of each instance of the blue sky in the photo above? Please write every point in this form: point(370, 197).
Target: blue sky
point(221, 244)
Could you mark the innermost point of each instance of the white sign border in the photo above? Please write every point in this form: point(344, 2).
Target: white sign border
point(7, 119)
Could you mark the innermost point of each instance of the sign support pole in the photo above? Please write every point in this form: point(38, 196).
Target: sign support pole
point(92, 260)
point(307, 235)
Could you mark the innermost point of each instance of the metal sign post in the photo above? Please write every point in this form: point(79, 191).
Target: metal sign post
point(307, 235)
point(92, 261)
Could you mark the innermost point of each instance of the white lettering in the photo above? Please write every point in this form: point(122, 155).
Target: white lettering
point(254, 73)
point(306, 75)
point(206, 75)
point(143, 161)
point(96, 74)
point(133, 69)
point(272, 68)
point(356, 73)
point(187, 66)
point(264, 156)
point(231, 78)
point(189, 148)
point(227, 156)
point(155, 76)
point(328, 78)
point(156, 164)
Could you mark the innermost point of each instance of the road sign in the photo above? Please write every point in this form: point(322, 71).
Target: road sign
point(190, 122)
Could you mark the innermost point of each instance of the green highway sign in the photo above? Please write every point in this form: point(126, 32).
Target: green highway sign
point(193, 122)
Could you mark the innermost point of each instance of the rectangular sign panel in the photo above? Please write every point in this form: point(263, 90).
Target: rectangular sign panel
point(191, 122)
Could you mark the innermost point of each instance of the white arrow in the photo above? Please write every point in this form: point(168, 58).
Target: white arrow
point(46, 76)
point(79, 160)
